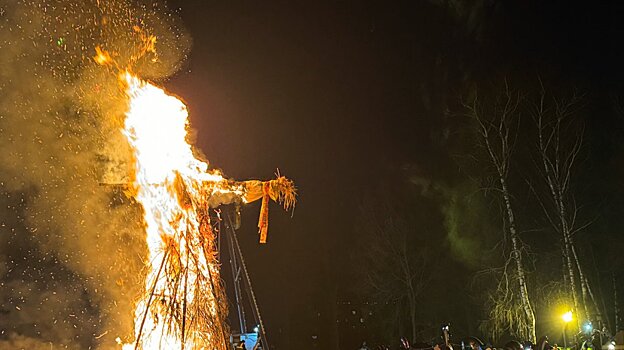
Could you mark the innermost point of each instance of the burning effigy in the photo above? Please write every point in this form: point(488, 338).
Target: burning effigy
point(184, 304)
point(105, 229)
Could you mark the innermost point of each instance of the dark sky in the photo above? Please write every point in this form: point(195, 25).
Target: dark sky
point(343, 96)
point(325, 92)
point(358, 102)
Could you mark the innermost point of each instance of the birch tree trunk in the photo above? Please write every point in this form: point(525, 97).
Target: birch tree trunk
point(585, 290)
point(498, 139)
point(568, 252)
point(517, 256)
point(557, 160)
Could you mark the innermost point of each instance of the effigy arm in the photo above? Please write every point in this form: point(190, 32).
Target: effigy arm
point(281, 190)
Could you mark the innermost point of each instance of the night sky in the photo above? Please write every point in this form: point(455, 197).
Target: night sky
point(344, 97)
point(360, 103)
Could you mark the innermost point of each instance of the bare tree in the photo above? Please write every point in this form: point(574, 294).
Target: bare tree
point(395, 266)
point(559, 144)
point(496, 124)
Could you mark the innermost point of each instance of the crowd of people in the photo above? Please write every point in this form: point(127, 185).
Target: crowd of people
point(595, 341)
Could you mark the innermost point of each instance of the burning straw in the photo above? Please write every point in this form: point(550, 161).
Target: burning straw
point(184, 303)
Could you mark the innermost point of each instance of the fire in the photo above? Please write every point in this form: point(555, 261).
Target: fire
point(182, 306)
point(102, 57)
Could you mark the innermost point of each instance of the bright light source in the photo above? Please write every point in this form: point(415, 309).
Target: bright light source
point(588, 327)
point(567, 317)
point(611, 346)
point(256, 329)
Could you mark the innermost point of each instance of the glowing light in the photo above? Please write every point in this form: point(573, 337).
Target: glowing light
point(567, 317)
point(181, 306)
point(102, 57)
point(588, 327)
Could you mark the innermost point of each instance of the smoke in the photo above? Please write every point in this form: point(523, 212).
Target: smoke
point(469, 223)
point(71, 247)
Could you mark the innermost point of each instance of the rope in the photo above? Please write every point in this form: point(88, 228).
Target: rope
point(248, 279)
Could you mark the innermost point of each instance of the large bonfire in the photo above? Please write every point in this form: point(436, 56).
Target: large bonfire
point(183, 305)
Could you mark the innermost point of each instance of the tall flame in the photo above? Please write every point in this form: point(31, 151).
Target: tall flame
point(182, 306)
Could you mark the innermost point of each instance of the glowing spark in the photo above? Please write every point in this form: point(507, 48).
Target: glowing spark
point(102, 57)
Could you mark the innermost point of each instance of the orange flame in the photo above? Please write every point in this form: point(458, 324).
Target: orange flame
point(183, 305)
point(173, 187)
point(102, 57)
